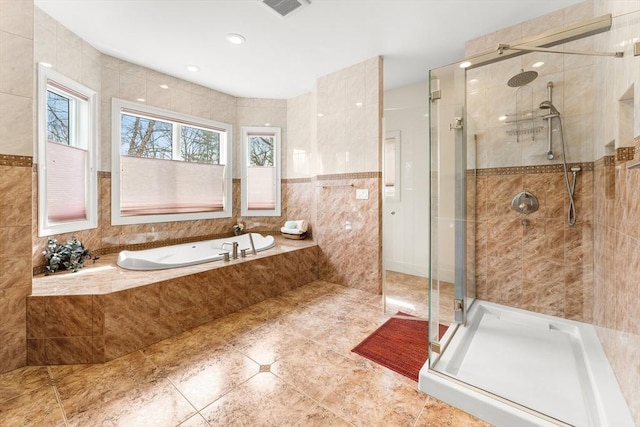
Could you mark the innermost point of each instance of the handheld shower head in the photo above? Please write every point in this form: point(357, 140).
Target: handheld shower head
point(547, 105)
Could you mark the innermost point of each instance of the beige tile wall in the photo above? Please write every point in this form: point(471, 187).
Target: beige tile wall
point(346, 128)
point(489, 97)
point(617, 270)
point(114, 78)
point(16, 141)
point(349, 231)
point(545, 266)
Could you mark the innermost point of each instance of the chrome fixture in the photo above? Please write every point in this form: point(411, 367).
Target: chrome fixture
point(547, 105)
point(503, 46)
point(522, 78)
point(525, 203)
point(253, 247)
point(234, 249)
point(553, 111)
point(554, 37)
point(571, 187)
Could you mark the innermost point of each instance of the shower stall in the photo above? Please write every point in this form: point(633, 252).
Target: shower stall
point(511, 209)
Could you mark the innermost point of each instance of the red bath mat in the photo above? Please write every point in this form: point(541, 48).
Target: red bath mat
point(399, 344)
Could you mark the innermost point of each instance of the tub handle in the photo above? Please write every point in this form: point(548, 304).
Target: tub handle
point(225, 256)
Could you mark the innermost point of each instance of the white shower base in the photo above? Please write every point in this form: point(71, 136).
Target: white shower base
point(536, 364)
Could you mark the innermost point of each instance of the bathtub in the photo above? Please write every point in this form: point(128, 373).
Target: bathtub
point(190, 253)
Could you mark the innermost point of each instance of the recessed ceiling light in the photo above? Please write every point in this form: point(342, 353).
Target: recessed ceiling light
point(538, 64)
point(267, 124)
point(164, 86)
point(234, 38)
point(465, 64)
point(193, 68)
point(320, 115)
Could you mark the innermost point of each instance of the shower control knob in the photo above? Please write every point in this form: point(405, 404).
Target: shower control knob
point(525, 203)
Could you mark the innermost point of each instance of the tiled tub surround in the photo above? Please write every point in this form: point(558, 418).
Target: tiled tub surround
point(545, 266)
point(108, 238)
point(103, 312)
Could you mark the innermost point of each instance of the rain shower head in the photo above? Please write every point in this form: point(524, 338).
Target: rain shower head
point(522, 78)
point(547, 105)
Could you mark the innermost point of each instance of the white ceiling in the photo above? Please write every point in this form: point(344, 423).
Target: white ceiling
point(283, 57)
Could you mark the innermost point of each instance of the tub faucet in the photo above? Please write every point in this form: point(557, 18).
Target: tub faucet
point(234, 249)
point(253, 248)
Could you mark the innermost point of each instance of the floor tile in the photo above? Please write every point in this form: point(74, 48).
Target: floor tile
point(38, 407)
point(286, 361)
point(264, 400)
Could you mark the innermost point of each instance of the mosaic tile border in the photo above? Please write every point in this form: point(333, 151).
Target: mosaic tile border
point(624, 154)
point(20, 161)
point(353, 175)
point(535, 169)
point(605, 161)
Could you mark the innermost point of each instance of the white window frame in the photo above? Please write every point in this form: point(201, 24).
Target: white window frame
point(245, 211)
point(226, 150)
point(89, 130)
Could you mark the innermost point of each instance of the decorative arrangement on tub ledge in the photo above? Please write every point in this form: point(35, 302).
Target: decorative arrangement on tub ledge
point(296, 230)
point(71, 255)
point(237, 229)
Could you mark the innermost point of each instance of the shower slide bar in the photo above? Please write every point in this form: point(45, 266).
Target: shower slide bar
point(503, 46)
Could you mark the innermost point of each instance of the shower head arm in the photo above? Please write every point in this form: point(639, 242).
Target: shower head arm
point(503, 46)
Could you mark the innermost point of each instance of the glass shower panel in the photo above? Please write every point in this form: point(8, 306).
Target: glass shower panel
point(448, 244)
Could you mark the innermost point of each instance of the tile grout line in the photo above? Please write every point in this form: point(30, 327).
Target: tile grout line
point(54, 385)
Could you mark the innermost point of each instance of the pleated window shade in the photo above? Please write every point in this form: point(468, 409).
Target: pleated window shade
point(66, 182)
point(261, 187)
point(155, 186)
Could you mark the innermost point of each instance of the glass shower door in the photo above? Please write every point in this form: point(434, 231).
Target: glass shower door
point(451, 289)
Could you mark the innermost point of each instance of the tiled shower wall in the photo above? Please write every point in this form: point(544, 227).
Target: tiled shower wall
point(617, 268)
point(598, 100)
point(536, 262)
point(16, 141)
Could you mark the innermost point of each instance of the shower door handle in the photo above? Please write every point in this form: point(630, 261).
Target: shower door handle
point(457, 123)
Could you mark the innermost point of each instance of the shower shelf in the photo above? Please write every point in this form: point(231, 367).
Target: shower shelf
point(531, 131)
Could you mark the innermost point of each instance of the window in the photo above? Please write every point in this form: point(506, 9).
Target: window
point(260, 171)
point(67, 141)
point(168, 166)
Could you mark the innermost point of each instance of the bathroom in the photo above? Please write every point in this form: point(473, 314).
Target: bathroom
point(302, 198)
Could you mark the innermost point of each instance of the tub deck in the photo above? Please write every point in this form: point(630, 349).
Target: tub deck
point(105, 277)
point(103, 311)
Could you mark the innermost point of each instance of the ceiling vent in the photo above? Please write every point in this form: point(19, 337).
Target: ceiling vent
point(285, 7)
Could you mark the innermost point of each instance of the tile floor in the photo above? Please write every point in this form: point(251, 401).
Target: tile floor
point(284, 362)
